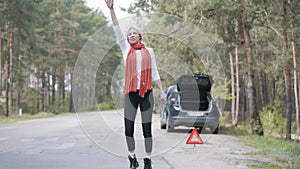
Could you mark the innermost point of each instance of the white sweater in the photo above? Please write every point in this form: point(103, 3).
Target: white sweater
point(125, 47)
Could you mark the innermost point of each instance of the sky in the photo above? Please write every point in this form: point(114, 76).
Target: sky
point(100, 4)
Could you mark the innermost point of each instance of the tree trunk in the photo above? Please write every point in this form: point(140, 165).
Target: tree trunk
point(295, 79)
point(18, 100)
point(53, 85)
point(255, 122)
point(265, 85)
point(10, 67)
point(59, 83)
point(259, 73)
point(298, 131)
point(49, 89)
point(287, 77)
point(250, 86)
point(287, 74)
point(244, 112)
point(261, 81)
point(232, 85)
point(38, 95)
point(63, 85)
point(295, 84)
point(0, 61)
point(44, 92)
point(71, 105)
point(237, 76)
point(237, 84)
point(6, 90)
point(273, 90)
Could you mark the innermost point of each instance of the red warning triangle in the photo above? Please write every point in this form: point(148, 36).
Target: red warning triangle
point(194, 138)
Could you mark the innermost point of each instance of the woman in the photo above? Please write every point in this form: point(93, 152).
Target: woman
point(140, 71)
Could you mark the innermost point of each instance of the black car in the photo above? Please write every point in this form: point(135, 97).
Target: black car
point(190, 104)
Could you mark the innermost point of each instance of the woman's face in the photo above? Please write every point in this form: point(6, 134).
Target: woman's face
point(133, 36)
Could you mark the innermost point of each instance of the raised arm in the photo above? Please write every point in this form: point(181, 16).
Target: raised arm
point(121, 40)
point(110, 5)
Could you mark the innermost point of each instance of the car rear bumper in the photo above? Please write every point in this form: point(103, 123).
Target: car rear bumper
point(194, 121)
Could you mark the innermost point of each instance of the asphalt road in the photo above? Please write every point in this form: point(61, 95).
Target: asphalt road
point(95, 141)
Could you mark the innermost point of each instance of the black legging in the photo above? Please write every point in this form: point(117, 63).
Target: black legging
point(132, 101)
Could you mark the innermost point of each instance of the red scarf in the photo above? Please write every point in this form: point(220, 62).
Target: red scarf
point(131, 74)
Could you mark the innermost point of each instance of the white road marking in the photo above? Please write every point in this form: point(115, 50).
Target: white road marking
point(4, 138)
point(63, 146)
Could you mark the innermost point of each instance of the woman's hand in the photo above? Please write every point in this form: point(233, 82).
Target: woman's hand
point(109, 3)
point(163, 97)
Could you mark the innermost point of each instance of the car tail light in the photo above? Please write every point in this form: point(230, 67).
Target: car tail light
point(174, 101)
point(173, 119)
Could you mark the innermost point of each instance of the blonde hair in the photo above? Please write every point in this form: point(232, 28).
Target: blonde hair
point(140, 35)
point(134, 29)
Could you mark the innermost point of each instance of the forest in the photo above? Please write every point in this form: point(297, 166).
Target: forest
point(256, 40)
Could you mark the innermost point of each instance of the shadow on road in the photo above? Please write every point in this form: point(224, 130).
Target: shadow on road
point(189, 130)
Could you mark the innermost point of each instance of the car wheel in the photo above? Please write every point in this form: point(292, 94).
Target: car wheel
point(163, 126)
point(170, 128)
point(216, 131)
point(200, 129)
point(163, 119)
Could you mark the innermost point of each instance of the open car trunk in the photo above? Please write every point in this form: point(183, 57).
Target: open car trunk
point(194, 91)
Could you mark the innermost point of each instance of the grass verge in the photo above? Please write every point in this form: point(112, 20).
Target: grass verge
point(15, 118)
point(284, 153)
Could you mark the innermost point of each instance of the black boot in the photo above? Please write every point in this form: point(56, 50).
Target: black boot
point(133, 162)
point(147, 163)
